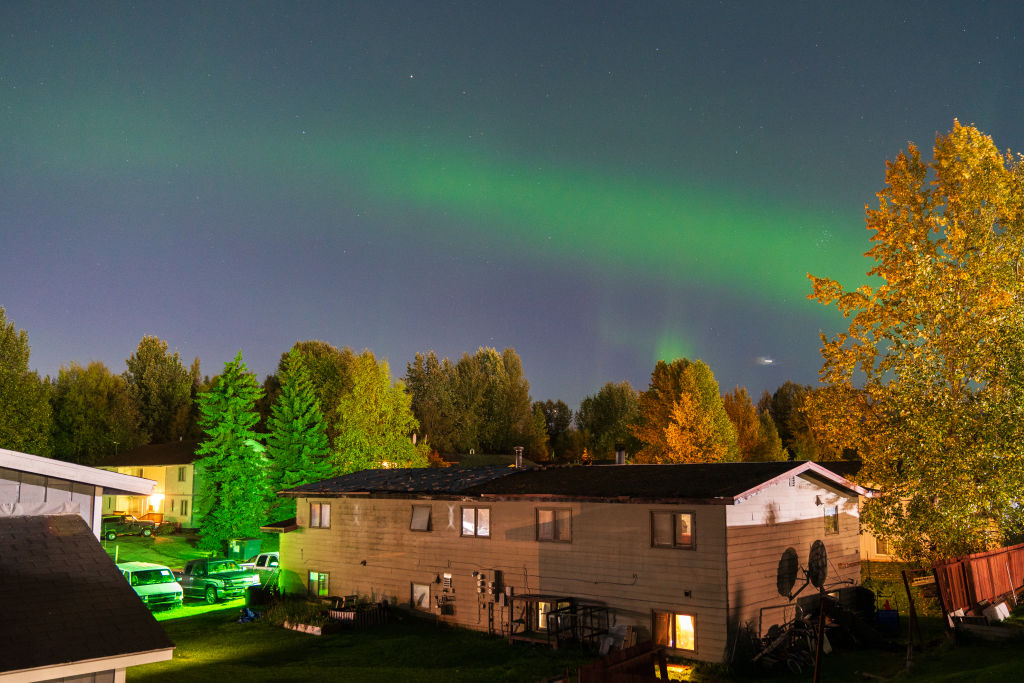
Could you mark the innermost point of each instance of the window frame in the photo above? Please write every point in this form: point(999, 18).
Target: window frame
point(831, 519)
point(181, 474)
point(320, 507)
point(422, 588)
point(429, 526)
point(675, 515)
point(476, 521)
point(882, 547)
point(322, 581)
point(555, 538)
point(672, 636)
point(183, 507)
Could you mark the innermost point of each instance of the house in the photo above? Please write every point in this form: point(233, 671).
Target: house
point(172, 466)
point(33, 485)
point(68, 613)
point(686, 554)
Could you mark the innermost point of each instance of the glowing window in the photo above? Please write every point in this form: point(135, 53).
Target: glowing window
point(319, 584)
point(675, 630)
point(672, 530)
point(554, 525)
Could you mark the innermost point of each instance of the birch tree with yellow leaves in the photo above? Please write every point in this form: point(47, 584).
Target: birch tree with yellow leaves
point(930, 373)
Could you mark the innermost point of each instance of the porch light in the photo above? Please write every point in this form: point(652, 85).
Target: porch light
point(155, 501)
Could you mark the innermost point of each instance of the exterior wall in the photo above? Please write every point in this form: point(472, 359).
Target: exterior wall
point(26, 493)
point(369, 550)
point(778, 517)
point(168, 490)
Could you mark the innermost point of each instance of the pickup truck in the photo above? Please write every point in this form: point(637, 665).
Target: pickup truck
point(264, 564)
point(213, 579)
point(126, 525)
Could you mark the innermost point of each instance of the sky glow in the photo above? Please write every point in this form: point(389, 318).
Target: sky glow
point(596, 187)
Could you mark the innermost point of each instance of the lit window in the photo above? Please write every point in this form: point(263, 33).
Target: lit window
point(421, 596)
point(420, 518)
point(831, 519)
point(476, 521)
point(319, 584)
point(554, 525)
point(319, 515)
point(672, 530)
point(545, 618)
point(674, 630)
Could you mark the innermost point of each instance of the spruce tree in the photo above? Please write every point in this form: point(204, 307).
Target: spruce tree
point(297, 440)
point(233, 493)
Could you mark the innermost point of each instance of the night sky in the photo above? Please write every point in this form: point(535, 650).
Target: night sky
point(598, 185)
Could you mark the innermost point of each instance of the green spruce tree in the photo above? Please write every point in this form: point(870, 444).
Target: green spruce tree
point(297, 440)
point(233, 494)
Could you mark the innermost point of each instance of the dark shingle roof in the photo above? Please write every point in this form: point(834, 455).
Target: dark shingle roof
point(720, 482)
point(425, 480)
point(171, 453)
point(707, 481)
point(63, 599)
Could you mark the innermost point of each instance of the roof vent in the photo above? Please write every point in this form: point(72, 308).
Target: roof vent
point(519, 457)
point(620, 454)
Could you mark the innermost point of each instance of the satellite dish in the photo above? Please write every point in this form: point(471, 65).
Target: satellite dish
point(817, 564)
point(785, 577)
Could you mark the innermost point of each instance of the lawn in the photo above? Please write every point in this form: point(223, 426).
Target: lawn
point(213, 646)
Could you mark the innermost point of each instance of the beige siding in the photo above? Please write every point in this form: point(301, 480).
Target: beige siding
point(609, 560)
point(778, 517)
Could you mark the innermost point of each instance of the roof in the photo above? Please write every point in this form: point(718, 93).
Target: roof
point(706, 482)
point(421, 480)
point(63, 599)
point(112, 482)
point(181, 452)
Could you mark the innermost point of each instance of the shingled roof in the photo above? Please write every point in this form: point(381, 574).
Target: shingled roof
point(63, 599)
point(181, 452)
point(712, 483)
point(423, 480)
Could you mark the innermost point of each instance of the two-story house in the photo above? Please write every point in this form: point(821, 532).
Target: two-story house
point(685, 554)
point(172, 466)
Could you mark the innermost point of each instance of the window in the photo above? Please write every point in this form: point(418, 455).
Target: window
point(476, 521)
point(181, 474)
point(545, 619)
point(184, 508)
point(831, 519)
point(172, 505)
point(672, 530)
point(319, 584)
point(554, 524)
point(420, 518)
point(420, 598)
point(319, 515)
point(675, 630)
point(882, 546)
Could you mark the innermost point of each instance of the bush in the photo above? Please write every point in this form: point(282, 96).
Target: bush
point(296, 611)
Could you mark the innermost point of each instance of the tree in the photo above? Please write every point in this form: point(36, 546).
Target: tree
point(25, 417)
point(605, 419)
point(432, 384)
point(663, 405)
point(297, 447)
point(756, 435)
point(557, 425)
point(789, 409)
point(374, 422)
point(330, 373)
point(161, 388)
point(932, 364)
point(93, 414)
point(690, 435)
point(233, 495)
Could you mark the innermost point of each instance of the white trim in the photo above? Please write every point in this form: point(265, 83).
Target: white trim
point(23, 462)
point(119, 663)
point(802, 468)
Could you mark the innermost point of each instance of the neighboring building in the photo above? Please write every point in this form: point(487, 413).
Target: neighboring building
point(172, 466)
point(685, 554)
point(33, 485)
point(872, 548)
point(68, 613)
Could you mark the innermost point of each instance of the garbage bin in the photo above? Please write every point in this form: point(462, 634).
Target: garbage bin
point(241, 549)
point(255, 596)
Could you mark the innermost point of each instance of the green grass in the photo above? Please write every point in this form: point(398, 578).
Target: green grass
point(213, 646)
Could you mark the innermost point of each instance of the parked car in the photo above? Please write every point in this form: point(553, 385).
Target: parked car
point(126, 525)
point(213, 579)
point(154, 583)
point(264, 564)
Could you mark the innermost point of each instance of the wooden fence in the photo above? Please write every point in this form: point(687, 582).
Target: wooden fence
point(966, 581)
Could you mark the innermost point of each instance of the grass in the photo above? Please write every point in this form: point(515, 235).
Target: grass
point(213, 646)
